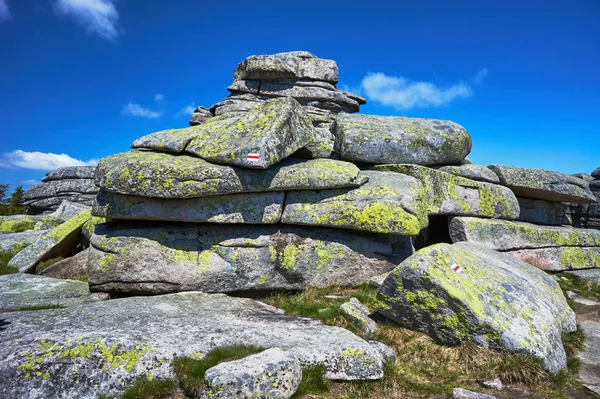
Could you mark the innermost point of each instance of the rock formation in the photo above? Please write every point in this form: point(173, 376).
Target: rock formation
point(72, 183)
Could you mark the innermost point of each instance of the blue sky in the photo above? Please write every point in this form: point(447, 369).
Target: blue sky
point(84, 78)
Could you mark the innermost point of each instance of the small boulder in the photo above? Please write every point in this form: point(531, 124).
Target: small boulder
point(358, 314)
point(460, 393)
point(200, 115)
point(493, 384)
point(73, 268)
point(273, 373)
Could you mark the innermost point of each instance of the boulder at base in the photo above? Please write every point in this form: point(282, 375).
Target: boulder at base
point(104, 347)
point(389, 203)
point(257, 139)
point(60, 241)
point(455, 195)
point(73, 267)
point(544, 184)
point(164, 258)
point(465, 293)
point(273, 373)
point(392, 139)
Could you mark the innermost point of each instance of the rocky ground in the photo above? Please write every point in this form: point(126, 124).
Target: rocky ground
point(285, 245)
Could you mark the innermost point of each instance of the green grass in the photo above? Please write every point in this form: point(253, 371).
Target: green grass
point(585, 288)
point(190, 372)
point(4, 259)
point(47, 263)
point(37, 307)
point(151, 389)
point(313, 382)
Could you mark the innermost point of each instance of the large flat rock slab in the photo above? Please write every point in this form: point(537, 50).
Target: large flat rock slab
point(391, 139)
point(559, 258)
point(70, 172)
point(473, 172)
point(22, 223)
point(14, 242)
point(156, 259)
point(263, 136)
point(544, 212)
point(161, 175)
point(253, 208)
point(19, 291)
point(103, 347)
point(389, 203)
point(503, 235)
point(449, 194)
point(293, 64)
point(464, 293)
point(544, 184)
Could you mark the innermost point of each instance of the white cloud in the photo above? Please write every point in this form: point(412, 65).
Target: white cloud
point(96, 16)
point(29, 183)
point(4, 11)
point(137, 110)
point(480, 75)
point(40, 160)
point(402, 93)
point(159, 97)
point(187, 110)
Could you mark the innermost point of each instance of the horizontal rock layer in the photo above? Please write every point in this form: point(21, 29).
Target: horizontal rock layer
point(70, 172)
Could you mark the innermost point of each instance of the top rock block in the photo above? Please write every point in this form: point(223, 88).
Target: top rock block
point(293, 64)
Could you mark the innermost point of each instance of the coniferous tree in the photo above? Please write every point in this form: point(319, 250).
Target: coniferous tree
point(16, 201)
point(3, 200)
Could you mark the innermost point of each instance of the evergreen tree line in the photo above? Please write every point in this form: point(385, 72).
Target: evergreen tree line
point(13, 204)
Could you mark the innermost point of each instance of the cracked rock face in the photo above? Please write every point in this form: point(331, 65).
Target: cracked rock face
point(147, 259)
point(493, 300)
point(103, 347)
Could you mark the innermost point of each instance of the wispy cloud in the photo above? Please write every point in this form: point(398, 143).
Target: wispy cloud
point(480, 75)
point(187, 110)
point(29, 183)
point(159, 97)
point(4, 11)
point(402, 93)
point(135, 109)
point(40, 160)
point(96, 16)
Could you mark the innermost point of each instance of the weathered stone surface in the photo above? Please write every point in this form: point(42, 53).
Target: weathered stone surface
point(584, 176)
point(495, 301)
point(293, 64)
point(592, 275)
point(461, 393)
point(146, 259)
point(321, 146)
point(590, 355)
point(200, 115)
point(159, 175)
point(19, 291)
point(503, 235)
point(14, 242)
point(473, 172)
point(388, 203)
point(387, 353)
point(390, 139)
point(596, 173)
point(56, 188)
point(273, 131)
point(21, 223)
point(448, 194)
point(544, 184)
point(358, 314)
point(67, 210)
point(70, 172)
point(49, 205)
point(273, 373)
point(103, 347)
point(493, 384)
point(74, 267)
point(237, 103)
point(543, 212)
point(237, 208)
point(60, 241)
point(559, 258)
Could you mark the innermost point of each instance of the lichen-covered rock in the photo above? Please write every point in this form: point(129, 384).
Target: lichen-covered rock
point(25, 291)
point(544, 212)
point(200, 115)
point(73, 268)
point(584, 176)
point(544, 184)
point(455, 195)
point(592, 275)
point(473, 172)
point(236, 208)
point(262, 137)
point(273, 373)
point(67, 210)
point(60, 189)
point(358, 314)
point(70, 172)
point(157, 259)
point(389, 203)
point(293, 64)
point(12, 243)
point(102, 348)
point(22, 223)
point(60, 241)
point(391, 139)
point(503, 235)
point(160, 175)
point(491, 300)
point(461, 393)
point(559, 258)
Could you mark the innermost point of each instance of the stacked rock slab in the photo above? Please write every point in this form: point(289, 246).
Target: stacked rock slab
point(71, 183)
point(589, 215)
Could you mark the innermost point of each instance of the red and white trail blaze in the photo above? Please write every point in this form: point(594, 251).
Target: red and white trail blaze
point(456, 268)
point(253, 157)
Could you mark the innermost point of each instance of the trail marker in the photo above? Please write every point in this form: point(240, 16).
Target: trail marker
point(456, 268)
point(253, 157)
